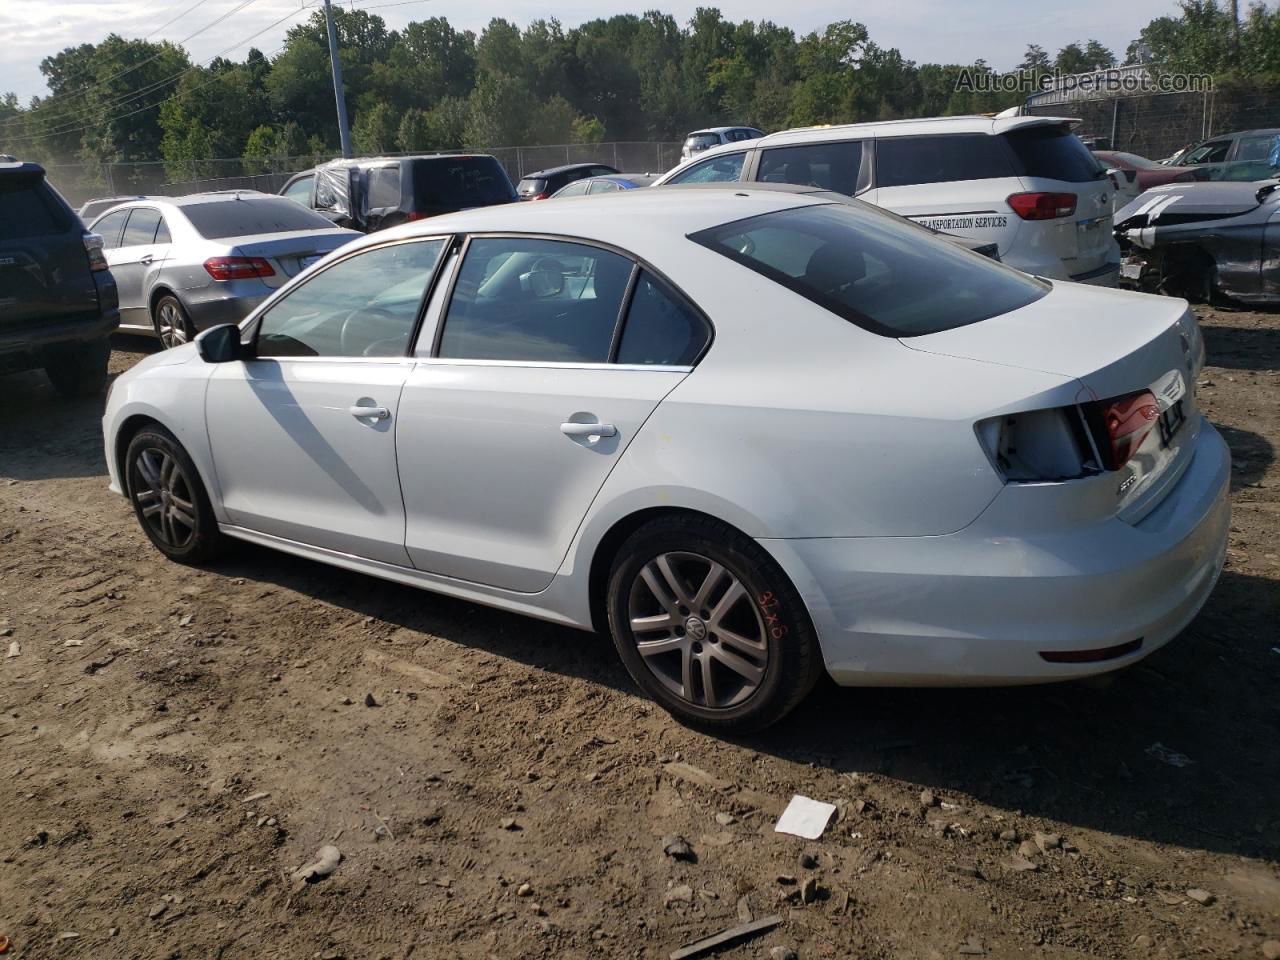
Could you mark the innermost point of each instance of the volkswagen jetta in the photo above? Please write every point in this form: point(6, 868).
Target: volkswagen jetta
point(752, 434)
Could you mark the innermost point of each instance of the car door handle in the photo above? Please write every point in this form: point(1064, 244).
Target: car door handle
point(147, 258)
point(588, 429)
point(373, 413)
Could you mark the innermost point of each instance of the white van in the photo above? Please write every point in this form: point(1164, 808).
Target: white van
point(1025, 183)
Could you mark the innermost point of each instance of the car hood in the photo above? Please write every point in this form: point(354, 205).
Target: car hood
point(1201, 200)
point(1111, 341)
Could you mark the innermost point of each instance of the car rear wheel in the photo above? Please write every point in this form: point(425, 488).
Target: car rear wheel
point(169, 498)
point(172, 324)
point(79, 370)
point(709, 626)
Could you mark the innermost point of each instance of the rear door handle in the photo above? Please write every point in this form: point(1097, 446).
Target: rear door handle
point(147, 258)
point(373, 413)
point(588, 429)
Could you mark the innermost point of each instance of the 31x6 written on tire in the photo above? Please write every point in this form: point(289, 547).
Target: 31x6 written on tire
point(168, 497)
point(709, 626)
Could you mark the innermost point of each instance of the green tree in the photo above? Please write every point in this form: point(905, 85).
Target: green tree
point(375, 130)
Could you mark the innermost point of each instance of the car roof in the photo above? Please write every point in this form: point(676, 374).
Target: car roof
point(923, 126)
point(21, 167)
point(736, 126)
point(653, 217)
point(563, 168)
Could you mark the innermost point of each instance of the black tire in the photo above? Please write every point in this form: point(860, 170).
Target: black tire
point(173, 326)
point(767, 611)
point(79, 370)
point(169, 499)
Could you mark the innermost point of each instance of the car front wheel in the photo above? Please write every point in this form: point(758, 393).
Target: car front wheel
point(169, 498)
point(709, 626)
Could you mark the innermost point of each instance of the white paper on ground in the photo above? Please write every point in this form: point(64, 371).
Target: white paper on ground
point(805, 818)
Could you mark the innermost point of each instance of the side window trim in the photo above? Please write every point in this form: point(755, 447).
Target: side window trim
point(639, 265)
point(254, 326)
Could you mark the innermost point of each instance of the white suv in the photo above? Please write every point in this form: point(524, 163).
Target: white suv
point(1025, 183)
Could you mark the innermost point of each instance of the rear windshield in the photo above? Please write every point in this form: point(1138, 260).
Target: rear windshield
point(248, 216)
point(461, 182)
point(701, 141)
point(966, 156)
point(531, 186)
point(1053, 153)
point(886, 276)
point(29, 208)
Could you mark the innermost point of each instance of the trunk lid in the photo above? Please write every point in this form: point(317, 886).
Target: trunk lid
point(1113, 343)
point(291, 253)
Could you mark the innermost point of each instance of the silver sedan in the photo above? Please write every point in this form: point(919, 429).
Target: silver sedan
point(183, 264)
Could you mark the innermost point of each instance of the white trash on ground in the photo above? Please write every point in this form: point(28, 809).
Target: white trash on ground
point(805, 818)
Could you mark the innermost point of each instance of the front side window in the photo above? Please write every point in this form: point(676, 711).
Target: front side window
point(722, 169)
point(109, 227)
point(1257, 148)
point(661, 329)
point(526, 299)
point(831, 166)
point(945, 159)
point(364, 306)
point(300, 190)
point(575, 189)
point(1209, 153)
point(881, 273)
point(141, 228)
point(604, 186)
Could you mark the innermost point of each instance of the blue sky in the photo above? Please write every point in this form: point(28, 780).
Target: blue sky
point(924, 30)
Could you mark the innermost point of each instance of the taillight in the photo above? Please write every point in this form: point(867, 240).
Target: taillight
point(1042, 206)
point(238, 268)
point(93, 247)
point(415, 215)
point(545, 195)
point(1121, 424)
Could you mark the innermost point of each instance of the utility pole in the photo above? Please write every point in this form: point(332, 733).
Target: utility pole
point(344, 132)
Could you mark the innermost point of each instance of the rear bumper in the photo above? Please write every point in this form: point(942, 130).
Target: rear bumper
point(227, 302)
point(979, 607)
point(24, 346)
point(1107, 275)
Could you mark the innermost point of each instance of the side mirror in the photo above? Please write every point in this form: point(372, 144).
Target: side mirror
point(220, 344)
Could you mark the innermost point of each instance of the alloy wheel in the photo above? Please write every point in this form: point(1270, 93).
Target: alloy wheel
point(171, 325)
point(164, 497)
point(698, 630)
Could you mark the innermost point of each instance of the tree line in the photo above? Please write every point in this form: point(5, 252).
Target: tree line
point(627, 77)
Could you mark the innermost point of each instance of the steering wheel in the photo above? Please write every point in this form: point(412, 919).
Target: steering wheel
point(350, 337)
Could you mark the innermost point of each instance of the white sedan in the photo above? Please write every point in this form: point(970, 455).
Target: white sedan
point(755, 435)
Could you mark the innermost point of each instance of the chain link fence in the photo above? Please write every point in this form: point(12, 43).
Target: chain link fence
point(81, 182)
point(1158, 125)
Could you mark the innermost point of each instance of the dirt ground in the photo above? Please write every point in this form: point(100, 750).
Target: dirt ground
point(174, 743)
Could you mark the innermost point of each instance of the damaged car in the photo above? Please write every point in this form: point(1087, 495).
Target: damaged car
point(1204, 241)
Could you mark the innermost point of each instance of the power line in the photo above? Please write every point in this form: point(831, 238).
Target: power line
point(72, 128)
point(155, 56)
point(168, 23)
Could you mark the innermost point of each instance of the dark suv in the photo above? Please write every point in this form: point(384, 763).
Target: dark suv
point(58, 303)
point(375, 193)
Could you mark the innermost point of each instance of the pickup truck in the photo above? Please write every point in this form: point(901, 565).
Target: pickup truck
point(58, 301)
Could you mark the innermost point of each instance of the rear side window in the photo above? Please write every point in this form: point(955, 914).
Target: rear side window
point(1257, 148)
point(248, 216)
point(109, 228)
point(575, 189)
point(661, 329)
point(1053, 153)
point(603, 186)
point(522, 298)
point(722, 169)
point(461, 182)
point(909, 160)
point(701, 141)
point(831, 166)
point(141, 228)
point(384, 187)
point(885, 275)
point(28, 208)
